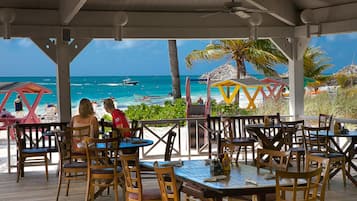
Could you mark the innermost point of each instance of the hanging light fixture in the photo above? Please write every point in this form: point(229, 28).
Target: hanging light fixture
point(254, 20)
point(7, 16)
point(120, 20)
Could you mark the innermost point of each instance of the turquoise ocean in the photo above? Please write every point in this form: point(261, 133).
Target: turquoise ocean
point(149, 90)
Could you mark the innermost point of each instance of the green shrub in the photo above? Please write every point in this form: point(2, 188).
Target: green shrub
point(343, 104)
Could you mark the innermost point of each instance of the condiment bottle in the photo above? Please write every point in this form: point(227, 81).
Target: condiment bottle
point(226, 163)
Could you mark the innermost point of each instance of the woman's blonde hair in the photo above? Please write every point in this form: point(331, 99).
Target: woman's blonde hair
point(85, 108)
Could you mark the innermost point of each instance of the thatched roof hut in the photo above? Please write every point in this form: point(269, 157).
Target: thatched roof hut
point(223, 72)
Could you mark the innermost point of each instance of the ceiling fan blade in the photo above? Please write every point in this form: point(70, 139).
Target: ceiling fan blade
point(210, 14)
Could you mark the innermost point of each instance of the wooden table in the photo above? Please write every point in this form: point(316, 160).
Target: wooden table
point(349, 151)
point(258, 131)
point(194, 172)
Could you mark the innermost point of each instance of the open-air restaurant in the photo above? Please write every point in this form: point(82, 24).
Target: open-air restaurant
point(236, 152)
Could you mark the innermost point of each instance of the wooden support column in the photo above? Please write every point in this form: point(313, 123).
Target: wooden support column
point(293, 49)
point(62, 53)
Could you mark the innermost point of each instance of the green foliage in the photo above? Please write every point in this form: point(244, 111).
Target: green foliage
point(224, 109)
point(321, 103)
point(345, 103)
point(272, 106)
point(170, 110)
point(342, 80)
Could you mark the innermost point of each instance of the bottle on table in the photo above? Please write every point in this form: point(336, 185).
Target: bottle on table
point(226, 164)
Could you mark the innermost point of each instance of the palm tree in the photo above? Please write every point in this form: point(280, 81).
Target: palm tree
point(261, 53)
point(175, 74)
point(315, 62)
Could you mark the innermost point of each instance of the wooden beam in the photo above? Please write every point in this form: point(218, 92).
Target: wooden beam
point(76, 46)
point(68, 9)
point(284, 46)
point(47, 46)
point(169, 32)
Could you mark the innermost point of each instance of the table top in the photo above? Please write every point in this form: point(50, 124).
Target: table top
point(197, 171)
point(260, 125)
point(132, 143)
point(330, 133)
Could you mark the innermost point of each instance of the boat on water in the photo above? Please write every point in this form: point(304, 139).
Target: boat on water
point(129, 82)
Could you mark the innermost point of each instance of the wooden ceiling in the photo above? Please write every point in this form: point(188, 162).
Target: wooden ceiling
point(179, 19)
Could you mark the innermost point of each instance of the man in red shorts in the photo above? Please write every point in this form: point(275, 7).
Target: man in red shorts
point(119, 119)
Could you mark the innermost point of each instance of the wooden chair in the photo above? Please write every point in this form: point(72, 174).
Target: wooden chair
point(69, 168)
point(325, 121)
point(313, 162)
point(167, 182)
point(169, 145)
point(103, 166)
point(133, 184)
point(277, 160)
point(319, 146)
point(293, 138)
point(308, 191)
point(29, 156)
point(231, 141)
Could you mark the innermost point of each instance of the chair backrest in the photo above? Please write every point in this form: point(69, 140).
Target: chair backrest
point(292, 133)
point(167, 182)
point(228, 128)
point(325, 121)
point(102, 154)
point(169, 145)
point(277, 160)
point(313, 142)
point(135, 129)
point(132, 176)
point(307, 191)
point(313, 162)
point(64, 146)
point(78, 134)
point(31, 135)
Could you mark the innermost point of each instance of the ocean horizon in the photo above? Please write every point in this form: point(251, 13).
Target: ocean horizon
point(155, 89)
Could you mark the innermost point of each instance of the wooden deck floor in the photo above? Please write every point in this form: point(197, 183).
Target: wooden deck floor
point(34, 187)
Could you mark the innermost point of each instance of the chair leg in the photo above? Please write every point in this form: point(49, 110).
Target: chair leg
point(245, 155)
point(46, 166)
point(298, 161)
point(18, 171)
point(253, 152)
point(343, 166)
point(68, 183)
point(115, 186)
point(88, 187)
point(238, 152)
point(59, 185)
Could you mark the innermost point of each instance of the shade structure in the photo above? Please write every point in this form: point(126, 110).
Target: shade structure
point(275, 87)
point(238, 84)
point(23, 88)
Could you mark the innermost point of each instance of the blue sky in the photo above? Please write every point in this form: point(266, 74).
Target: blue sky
point(21, 57)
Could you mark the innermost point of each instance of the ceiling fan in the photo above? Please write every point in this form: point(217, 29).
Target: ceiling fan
point(235, 7)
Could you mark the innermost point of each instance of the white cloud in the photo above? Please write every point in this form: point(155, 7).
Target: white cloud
point(352, 35)
point(125, 44)
point(331, 38)
point(24, 42)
